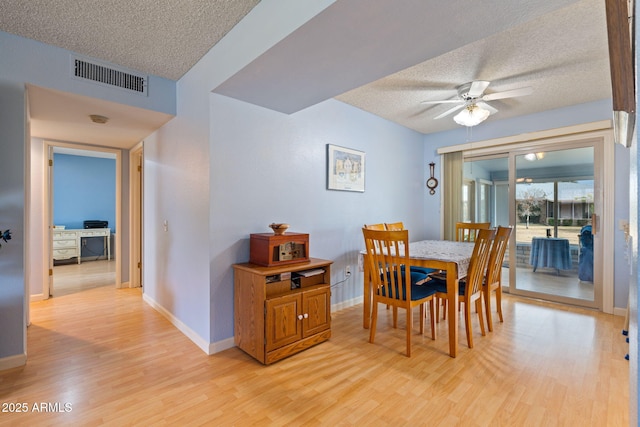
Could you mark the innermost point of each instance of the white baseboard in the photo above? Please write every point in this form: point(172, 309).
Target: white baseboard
point(197, 339)
point(13, 361)
point(346, 304)
point(619, 311)
point(36, 297)
point(217, 347)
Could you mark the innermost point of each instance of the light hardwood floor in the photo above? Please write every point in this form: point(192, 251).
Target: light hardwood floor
point(116, 361)
point(72, 277)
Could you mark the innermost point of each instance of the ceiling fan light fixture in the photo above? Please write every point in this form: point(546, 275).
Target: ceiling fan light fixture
point(532, 157)
point(471, 115)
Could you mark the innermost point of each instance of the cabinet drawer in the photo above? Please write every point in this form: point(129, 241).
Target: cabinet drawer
point(65, 253)
point(57, 244)
point(58, 235)
point(87, 233)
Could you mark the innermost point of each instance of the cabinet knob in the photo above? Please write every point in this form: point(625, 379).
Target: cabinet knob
point(306, 315)
point(299, 316)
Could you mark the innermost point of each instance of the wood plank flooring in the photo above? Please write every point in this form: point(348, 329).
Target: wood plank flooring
point(73, 277)
point(113, 360)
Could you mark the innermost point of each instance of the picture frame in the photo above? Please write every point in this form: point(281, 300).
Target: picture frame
point(345, 169)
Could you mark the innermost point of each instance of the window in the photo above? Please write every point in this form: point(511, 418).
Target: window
point(468, 201)
point(484, 202)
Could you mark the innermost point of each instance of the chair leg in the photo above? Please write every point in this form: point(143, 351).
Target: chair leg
point(422, 314)
point(499, 301)
point(487, 307)
point(395, 317)
point(480, 316)
point(467, 324)
point(409, 321)
point(374, 322)
point(432, 310)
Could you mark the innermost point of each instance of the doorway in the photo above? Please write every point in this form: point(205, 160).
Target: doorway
point(551, 193)
point(70, 245)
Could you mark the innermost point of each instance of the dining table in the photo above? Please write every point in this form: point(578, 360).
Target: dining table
point(450, 256)
point(551, 252)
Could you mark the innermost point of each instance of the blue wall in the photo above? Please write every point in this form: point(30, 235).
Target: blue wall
point(84, 188)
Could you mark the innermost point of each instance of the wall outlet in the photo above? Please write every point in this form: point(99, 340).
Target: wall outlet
point(347, 270)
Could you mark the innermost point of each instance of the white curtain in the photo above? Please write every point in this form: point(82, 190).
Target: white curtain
point(452, 166)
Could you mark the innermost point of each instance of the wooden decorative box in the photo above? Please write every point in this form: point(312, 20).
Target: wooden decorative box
point(268, 249)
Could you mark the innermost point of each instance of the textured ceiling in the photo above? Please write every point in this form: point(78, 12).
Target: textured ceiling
point(563, 56)
point(558, 48)
point(160, 37)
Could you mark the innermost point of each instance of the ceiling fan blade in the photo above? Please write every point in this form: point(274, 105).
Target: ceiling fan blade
point(449, 111)
point(508, 94)
point(487, 107)
point(444, 101)
point(477, 88)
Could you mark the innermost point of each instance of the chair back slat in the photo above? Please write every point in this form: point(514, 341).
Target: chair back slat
point(394, 226)
point(496, 258)
point(387, 253)
point(479, 261)
point(375, 226)
point(468, 231)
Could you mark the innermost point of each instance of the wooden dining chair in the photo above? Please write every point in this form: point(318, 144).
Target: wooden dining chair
point(470, 288)
point(467, 231)
point(493, 278)
point(394, 226)
point(388, 257)
point(400, 226)
point(380, 226)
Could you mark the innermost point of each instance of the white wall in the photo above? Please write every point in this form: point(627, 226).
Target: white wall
point(177, 265)
point(271, 167)
point(13, 133)
point(21, 258)
point(23, 59)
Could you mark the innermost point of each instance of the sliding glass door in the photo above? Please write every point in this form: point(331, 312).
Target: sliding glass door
point(549, 194)
point(554, 203)
point(487, 179)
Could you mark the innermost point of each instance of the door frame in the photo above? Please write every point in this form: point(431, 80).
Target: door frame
point(602, 130)
point(600, 259)
point(47, 266)
point(136, 215)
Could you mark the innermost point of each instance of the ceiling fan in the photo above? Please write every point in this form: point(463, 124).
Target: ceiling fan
point(471, 97)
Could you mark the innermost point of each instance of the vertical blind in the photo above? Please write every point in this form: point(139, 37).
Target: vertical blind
point(452, 172)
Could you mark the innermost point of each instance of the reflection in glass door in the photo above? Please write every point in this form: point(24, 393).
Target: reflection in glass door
point(554, 202)
point(488, 178)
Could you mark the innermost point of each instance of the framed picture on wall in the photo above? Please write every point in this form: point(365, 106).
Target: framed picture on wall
point(345, 169)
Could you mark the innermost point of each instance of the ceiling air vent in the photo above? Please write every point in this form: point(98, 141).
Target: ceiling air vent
point(109, 75)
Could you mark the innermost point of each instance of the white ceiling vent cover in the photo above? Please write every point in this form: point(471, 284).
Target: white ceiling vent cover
point(108, 75)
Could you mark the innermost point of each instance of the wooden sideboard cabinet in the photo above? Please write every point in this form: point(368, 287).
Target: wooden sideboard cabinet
point(280, 311)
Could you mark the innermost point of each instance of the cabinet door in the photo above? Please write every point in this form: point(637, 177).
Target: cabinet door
point(316, 306)
point(283, 325)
